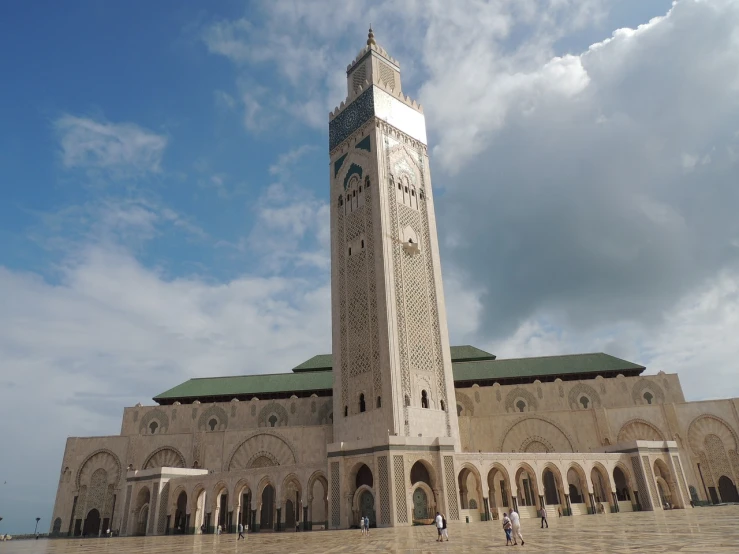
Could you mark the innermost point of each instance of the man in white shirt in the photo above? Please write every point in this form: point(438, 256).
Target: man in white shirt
point(439, 525)
point(516, 526)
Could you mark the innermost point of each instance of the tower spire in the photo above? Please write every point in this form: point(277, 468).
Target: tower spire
point(371, 37)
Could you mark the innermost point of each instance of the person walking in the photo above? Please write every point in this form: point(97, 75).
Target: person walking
point(507, 528)
point(543, 514)
point(516, 527)
point(444, 530)
point(241, 532)
point(366, 525)
point(439, 525)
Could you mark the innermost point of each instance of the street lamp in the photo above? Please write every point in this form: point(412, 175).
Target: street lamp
point(36, 529)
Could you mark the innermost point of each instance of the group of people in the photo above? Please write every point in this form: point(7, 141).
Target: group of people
point(364, 525)
point(512, 527)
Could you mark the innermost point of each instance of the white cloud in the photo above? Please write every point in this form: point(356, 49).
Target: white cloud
point(87, 143)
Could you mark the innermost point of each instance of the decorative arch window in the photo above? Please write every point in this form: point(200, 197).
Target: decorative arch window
point(354, 194)
point(648, 396)
point(350, 250)
point(413, 192)
point(584, 401)
point(406, 190)
point(341, 200)
point(400, 187)
point(366, 182)
point(379, 401)
point(346, 411)
point(362, 243)
point(360, 188)
point(424, 399)
point(362, 405)
point(443, 406)
point(407, 400)
point(153, 426)
point(272, 420)
point(521, 405)
point(213, 423)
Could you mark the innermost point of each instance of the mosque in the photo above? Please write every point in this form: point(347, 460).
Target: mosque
point(395, 423)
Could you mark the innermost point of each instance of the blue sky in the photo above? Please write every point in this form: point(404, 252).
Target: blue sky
point(163, 169)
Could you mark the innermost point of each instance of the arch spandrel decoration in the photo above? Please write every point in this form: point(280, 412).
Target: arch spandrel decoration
point(273, 408)
point(102, 458)
point(520, 393)
point(639, 430)
point(580, 390)
point(155, 415)
point(708, 424)
point(262, 450)
point(644, 385)
point(466, 403)
point(536, 444)
point(213, 412)
point(524, 428)
point(165, 456)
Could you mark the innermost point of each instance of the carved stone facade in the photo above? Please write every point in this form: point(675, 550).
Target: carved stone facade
point(390, 434)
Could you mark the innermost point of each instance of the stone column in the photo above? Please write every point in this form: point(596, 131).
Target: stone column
point(615, 503)
point(257, 515)
point(514, 501)
point(230, 522)
point(239, 510)
point(486, 503)
point(593, 507)
point(187, 525)
point(306, 525)
point(166, 528)
point(568, 505)
point(278, 520)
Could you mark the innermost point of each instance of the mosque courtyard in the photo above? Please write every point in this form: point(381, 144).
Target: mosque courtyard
point(707, 530)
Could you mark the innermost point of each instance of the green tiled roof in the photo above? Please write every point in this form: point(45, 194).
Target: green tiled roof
point(313, 377)
point(274, 383)
point(467, 353)
point(529, 368)
point(321, 362)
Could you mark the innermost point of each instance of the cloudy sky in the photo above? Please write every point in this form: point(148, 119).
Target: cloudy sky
point(163, 170)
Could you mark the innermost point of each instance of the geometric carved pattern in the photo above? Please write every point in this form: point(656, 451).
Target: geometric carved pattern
point(162, 520)
point(468, 408)
point(126, 506)
point(259, 448)
point(510, 400)
point(578, 391)
point(451, 487)
point(642, 385)
point(372, 293)
point(273, 408)
point(341, 279)
point(152, 508)
point(680, 476)
point(717, 458)
point(401, 507)
point(165, 456)
point(526, 429)
point(154, 415)
point(639, 430)
point(650, 478)
point(536, 444)
point(641, 484)
point(351, 119)
point(97, 490)
point(384, 492)
point(214, 412)
point(335, 496)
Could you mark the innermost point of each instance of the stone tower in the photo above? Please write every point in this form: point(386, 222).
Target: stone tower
point(393, 383)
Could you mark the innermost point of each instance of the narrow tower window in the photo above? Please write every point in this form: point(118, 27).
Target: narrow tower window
point(648, 397)
point(379, 401)
point(153, 427)
point(443, 406)
point(424, 399)
point(362, 243)
point(212, 424)
point(407, 400)
point(346, 411)
point(361, 403)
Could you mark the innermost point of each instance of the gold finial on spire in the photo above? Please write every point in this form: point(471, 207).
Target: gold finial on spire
point(370, 36)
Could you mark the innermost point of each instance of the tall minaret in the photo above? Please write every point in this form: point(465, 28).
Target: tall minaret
point(393, 380)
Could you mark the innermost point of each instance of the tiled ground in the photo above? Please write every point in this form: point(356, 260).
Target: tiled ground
point(705, 530)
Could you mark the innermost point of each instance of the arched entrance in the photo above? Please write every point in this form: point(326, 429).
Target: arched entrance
point(267, 513)
point(220, 507)
point(470, 492)
point(367, 506)
point(623, 490)
point(601, 489)
point(179, 523)
point(727, 490)
point(289, 514)
point(420, 504)
point(92, 524)
point(527, 491)
point(318, 500)
point(498, 490)
point(292, 498)
point(141, 511)
point(553, 490)
point(668, 492)
point(198, 521)
point(577, 488)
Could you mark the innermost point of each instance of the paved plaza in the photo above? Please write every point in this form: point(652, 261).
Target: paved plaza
point(705, 530)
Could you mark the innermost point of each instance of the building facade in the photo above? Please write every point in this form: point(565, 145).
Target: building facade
point(395, 424)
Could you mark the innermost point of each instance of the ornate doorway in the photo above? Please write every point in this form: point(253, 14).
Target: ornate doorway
point(727, 490)
point(420, 504)
point(367, 506)
point(266, 517)
point(92, 524)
